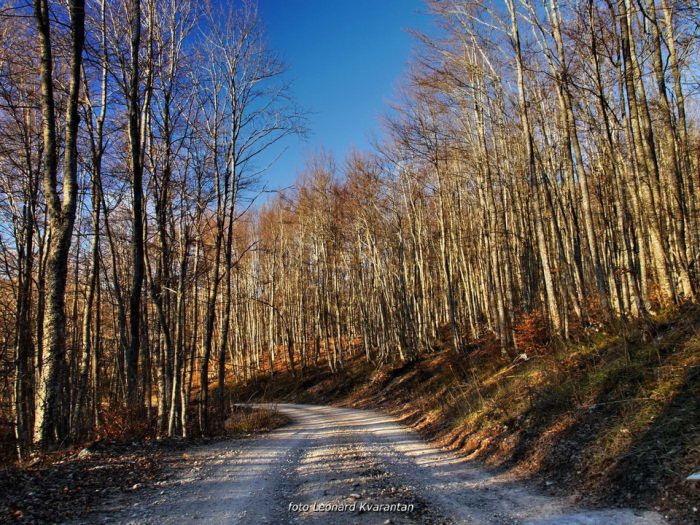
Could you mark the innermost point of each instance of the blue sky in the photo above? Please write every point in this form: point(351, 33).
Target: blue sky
point(345, 59)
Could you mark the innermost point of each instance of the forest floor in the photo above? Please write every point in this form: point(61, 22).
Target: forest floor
point(65, 486)
point(610, 421)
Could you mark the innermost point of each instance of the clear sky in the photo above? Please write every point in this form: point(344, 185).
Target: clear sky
point(345, 59)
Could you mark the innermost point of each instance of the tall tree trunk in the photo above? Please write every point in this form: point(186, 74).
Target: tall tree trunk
point(137, 254)
point(61, 214)
point(551, 299)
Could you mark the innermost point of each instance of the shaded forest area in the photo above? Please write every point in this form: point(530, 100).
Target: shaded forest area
point(536, 186)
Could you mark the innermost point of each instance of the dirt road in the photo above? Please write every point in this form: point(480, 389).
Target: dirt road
point(335, 465)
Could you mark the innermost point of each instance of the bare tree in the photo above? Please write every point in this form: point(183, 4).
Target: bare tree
point(61, 213)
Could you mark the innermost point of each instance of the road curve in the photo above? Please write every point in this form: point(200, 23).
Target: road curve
point(338, 465)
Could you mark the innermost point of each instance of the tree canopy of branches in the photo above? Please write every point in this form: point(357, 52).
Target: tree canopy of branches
point(541, 163)
point(167, 109)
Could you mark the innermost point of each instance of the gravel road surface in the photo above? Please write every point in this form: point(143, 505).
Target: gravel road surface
point(342, 466)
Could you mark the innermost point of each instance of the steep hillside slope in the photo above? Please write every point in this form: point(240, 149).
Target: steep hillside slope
point(613, 420)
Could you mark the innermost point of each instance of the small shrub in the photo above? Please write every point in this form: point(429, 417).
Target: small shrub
point(532, 333)
point(244, 420)
point(119, 425)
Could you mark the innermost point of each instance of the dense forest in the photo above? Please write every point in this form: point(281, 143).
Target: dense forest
point(539, 171)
